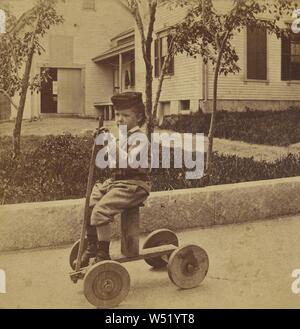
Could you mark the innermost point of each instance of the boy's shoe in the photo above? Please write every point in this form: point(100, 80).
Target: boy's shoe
point(89, 252)
point(101, 256)
point(102, 252)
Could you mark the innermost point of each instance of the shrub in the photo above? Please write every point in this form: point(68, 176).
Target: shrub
point(57, 168)
point(259, 127)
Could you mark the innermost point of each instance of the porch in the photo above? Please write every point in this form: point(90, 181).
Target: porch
point(120, 61)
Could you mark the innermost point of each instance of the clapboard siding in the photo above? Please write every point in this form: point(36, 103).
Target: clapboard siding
point(237, 87)
point(186, 83)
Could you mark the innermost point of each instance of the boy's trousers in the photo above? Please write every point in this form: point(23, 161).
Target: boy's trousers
point(112, 198)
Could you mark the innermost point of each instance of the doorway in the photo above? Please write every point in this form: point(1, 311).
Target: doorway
point(49, 92)
point(64, 92)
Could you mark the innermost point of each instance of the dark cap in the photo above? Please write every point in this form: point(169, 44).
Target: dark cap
point(127, 100)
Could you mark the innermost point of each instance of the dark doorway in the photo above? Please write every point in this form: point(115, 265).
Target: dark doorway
point(49, 93)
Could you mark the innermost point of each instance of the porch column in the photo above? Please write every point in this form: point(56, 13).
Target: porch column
point(120, 72)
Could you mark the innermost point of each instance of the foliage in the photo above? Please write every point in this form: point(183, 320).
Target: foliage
point(209, 33)
point(16, 45)
point(250, 126)
point(57, 168)
point(17, 49)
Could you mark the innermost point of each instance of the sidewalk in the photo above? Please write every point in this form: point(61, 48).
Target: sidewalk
point(250, 267)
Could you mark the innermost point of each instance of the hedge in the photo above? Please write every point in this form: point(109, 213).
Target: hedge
point(259, 127)
point(57, 168)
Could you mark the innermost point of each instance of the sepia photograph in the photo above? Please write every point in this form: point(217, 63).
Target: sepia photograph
point(150, 156)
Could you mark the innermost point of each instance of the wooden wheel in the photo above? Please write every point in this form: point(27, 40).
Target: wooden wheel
point(74, 252)
point(159, 238)
point(106, 284)
point(188, 266)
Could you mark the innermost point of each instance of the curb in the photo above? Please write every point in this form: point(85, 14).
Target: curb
point(54, 223)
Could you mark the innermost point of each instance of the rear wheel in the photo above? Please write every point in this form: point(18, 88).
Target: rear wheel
point(188, 266)
point(159, 238)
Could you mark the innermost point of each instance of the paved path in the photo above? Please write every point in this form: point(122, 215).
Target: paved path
point(250, 267)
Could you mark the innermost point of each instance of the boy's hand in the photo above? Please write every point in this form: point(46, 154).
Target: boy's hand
point(100, 131)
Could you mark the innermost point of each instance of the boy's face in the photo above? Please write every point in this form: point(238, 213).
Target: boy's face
point(127, 117)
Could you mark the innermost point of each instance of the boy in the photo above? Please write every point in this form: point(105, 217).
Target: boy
point(126, 188)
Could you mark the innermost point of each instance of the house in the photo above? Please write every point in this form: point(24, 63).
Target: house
point(269, 78)
point(78, 85)
point(97, 53)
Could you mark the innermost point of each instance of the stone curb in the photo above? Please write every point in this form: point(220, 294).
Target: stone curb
point(44, 224)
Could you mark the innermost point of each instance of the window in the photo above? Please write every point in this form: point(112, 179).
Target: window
point(88, 4)
point(161, 46)
point(185, 105)
point(290, 57)
point(257, 53)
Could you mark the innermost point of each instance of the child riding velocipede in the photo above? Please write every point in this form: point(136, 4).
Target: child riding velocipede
point(106, 281)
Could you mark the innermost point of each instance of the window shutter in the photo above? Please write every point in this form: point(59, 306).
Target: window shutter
point(171, 63)
point(295, 57)
point(257, 54)
point(261, 66)
point(285, 57)
point(156, 59)
point(160, 55)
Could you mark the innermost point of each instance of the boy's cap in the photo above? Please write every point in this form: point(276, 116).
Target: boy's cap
point(127, 100)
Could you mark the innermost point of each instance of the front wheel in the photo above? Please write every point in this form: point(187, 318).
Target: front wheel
point(106, 284)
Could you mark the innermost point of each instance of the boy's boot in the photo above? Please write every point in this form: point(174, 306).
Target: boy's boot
point(103, 251)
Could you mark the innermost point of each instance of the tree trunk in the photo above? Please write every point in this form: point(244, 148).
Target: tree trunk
point(19, 118)
point(209, 159)
point(150, 123)
point(157, 96)
point(160, 83)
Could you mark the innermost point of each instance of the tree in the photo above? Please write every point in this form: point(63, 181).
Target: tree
point(17, 49)
point(144, 13)
point(207, 32)
point(163, 72)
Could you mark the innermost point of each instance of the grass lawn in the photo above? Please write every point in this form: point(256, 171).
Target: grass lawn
point(34, 131)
